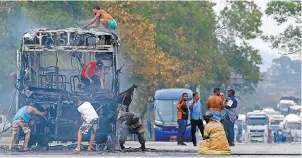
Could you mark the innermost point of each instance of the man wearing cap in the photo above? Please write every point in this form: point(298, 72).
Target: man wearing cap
point(21, 119)
point(90, 74)
point(232, 115)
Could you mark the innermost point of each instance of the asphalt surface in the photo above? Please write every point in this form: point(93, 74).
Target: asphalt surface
point(157, 149)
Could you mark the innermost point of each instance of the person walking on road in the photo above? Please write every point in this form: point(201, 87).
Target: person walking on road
point(182, 118)
point(196, 116)
point(232, 115)
point(215, 104)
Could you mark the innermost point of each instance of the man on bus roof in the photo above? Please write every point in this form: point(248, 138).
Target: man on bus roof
point(92, 74)
point(101, 16)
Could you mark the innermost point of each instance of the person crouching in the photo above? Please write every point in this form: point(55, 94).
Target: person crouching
point(21, 119)
point(90, 120)
point(215, 142)
point(130, 124)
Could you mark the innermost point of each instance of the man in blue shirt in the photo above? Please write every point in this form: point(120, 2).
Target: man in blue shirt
point(21, 119)
point(232, 115)
point(196, 116)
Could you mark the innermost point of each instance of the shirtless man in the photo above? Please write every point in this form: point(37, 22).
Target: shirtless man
point(215, 104)
point(101, 16)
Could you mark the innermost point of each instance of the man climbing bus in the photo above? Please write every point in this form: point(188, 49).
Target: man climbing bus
point(101, 16)
point(90, 74)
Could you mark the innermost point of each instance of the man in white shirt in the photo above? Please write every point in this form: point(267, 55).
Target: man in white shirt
point(90, 120)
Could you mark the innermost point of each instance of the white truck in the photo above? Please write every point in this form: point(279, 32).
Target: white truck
point(274, 118)
point(270, 111)
point(257, 126)
point(284, 106)
point(292, 126)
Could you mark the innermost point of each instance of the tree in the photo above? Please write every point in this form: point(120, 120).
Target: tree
point(237, 23)
point(289, 41)
point(184, 33)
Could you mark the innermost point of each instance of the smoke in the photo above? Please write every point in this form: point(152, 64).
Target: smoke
point(17, 24)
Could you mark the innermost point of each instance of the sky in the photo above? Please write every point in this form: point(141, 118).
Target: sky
point(269, 27)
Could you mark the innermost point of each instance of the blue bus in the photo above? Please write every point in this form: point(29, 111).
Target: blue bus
point(165, 112)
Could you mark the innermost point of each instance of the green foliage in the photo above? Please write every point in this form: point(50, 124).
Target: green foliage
point(282, 11)
point(184, 31)
point(290, 39)
point(240, 20)
point(184, 28)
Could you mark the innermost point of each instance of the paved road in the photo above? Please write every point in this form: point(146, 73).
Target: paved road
point(165, 149)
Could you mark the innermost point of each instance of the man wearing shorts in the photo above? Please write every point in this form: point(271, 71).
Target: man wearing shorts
point(215, 104)
point(90, 120)
point(101, 16)
point(21, 119)
point(92, 74)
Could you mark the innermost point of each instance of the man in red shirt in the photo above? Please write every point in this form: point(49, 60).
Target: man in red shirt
point(182, 118)
point(92, 74)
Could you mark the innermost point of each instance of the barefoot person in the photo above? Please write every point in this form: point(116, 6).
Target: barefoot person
point(90, 120)
point(22, 119)
point(101, 16)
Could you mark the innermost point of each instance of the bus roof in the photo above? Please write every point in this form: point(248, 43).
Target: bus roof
point(172, 94)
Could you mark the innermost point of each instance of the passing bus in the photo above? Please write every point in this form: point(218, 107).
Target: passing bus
point(165, 112)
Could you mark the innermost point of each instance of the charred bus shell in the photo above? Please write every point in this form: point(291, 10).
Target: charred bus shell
point(49, 66)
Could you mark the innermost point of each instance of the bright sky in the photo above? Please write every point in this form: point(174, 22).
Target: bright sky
point(269, 27)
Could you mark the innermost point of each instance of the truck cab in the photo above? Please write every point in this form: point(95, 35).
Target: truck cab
point(274, 118)
point(286, 102)
point(292, 127)
point(257, 126)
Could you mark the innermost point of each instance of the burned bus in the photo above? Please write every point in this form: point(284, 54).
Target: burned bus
point(49, 64)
